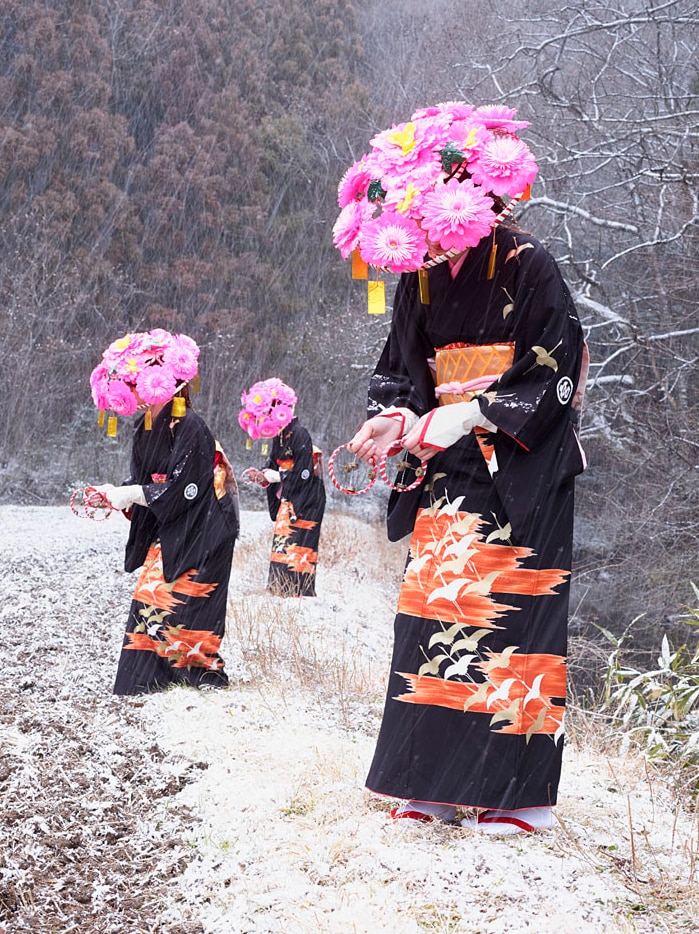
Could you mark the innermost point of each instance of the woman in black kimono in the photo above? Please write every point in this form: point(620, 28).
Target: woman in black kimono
point(181, 499)
point(478, 378)
point(296, 501)
point(292, 478)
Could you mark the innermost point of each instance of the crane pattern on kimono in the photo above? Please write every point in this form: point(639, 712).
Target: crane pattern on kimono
point(457, 562)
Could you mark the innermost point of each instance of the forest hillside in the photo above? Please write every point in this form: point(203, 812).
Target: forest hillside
point(176, 164)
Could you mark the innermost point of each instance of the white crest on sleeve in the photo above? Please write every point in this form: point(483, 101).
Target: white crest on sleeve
point(564, 389)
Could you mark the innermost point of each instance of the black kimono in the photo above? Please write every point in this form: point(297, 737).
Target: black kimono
point(474, 710)
point(184, 540)
point(296, 504)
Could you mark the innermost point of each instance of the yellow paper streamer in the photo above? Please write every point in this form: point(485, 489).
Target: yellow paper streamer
point(148, 420)
point(491, 261)
point(248, 444)
point(195, 384)
point(179, 407)
point(424, 286)
point(264, 449)
point(100, 419)
point(377, 298)
point(112, 426)
point(360, 270)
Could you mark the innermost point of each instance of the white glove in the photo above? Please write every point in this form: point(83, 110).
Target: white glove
point(444, 425)
point(271, 476)
point(408, 418)
point(122, 497)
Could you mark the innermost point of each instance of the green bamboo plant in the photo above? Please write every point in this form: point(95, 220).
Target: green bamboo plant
point(658, 710)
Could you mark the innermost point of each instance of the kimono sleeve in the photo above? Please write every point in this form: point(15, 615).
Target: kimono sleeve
point(402, 377)
point(300, 473)
point(536, 393)
point(189, 473)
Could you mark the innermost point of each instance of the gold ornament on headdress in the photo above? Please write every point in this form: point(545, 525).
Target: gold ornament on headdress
point(377, 297)
point(360, 270)
point(424, 284)
point(179, 407)
point(492, 258)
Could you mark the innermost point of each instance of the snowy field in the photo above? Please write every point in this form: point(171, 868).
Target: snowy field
point(243, 811)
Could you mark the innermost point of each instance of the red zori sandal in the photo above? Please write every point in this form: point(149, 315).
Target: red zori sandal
point(505, 823)
point(424, 811)
point(400, 813)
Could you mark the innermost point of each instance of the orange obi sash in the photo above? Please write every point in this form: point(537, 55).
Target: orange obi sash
point(462, 371)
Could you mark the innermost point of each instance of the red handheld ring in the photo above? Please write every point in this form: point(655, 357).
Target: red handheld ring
point(84, 511)
point(420, 472)
point(344, 489)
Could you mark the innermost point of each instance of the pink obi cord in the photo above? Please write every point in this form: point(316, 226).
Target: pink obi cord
point(472, 385)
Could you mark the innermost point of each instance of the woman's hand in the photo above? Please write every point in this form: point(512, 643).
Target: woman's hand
point(413, 444)
point(439, 429)
point(375, 437)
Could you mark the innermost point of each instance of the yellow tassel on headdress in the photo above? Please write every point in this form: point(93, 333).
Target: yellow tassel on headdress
point(100, 419)
point(248, 444)
point(179, 407)
point(492, 258)
point(377, 298)
point(424, 286)
point(148, 420)
point(195, 384)
point(360, 270)
point(265, 448)
point(112, 426)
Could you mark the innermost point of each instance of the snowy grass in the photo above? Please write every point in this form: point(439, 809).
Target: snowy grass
point(244, 811)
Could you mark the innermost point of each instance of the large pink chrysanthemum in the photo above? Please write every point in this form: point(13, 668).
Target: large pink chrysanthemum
point(245, 419)
point(347, 227)
point(504, 165)
point(120, 399)
point(181, 360)
point(266, 427)
point(282, 414)
point(457, 215)
point(451, 110)
point(394, 242)
point(406, 194)
point(99, 383)
point(499, 117)
point(353, 184)
point(156, 384)
point(408, 144)
point(468, 135)
point(279, 391)
point(257, 400)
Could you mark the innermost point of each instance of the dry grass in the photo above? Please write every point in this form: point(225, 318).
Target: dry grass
point(281, 642)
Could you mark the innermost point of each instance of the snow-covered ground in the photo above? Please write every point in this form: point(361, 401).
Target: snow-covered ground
point(243, 811)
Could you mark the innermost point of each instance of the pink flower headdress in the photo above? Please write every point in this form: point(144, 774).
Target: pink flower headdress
point(438, 176)
point(268, 406)
point(151, 365)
